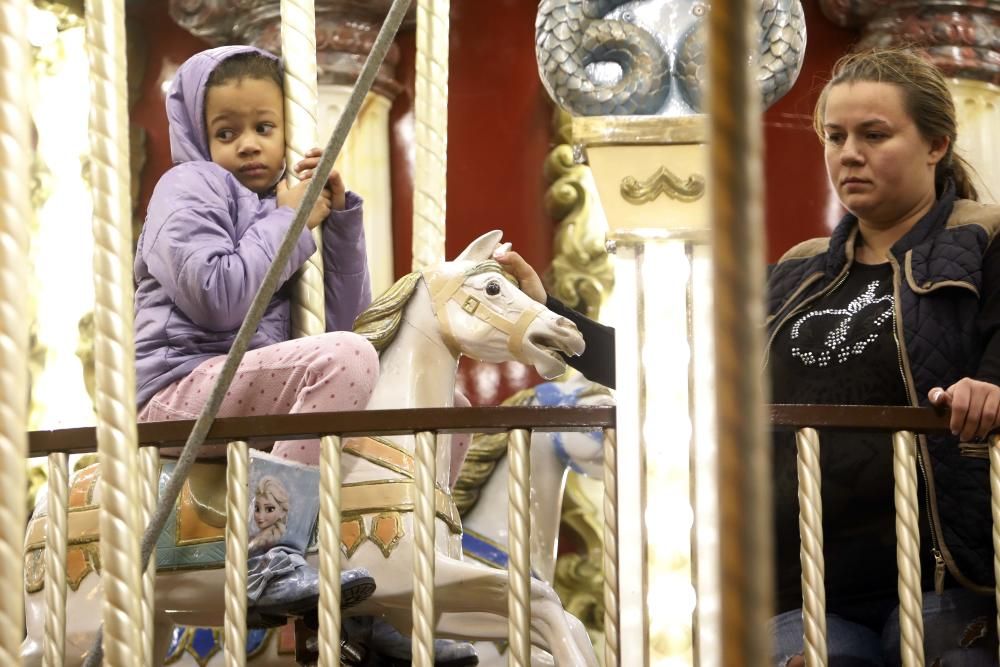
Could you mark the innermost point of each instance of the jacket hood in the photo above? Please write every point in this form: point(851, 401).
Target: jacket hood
point(186, 102)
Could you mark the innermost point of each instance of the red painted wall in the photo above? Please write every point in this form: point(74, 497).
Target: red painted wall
point(498, 133)
point(800, 204)
point(167, 46)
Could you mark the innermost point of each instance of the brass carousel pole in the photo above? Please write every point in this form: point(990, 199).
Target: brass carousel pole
point(738, 259)
point(15, 64)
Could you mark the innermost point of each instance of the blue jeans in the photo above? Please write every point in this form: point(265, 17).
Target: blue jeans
point(959, 631)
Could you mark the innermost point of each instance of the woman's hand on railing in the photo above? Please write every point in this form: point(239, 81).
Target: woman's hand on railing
point(974, 404)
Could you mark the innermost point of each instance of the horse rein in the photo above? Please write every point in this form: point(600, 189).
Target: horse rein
point(444, 289)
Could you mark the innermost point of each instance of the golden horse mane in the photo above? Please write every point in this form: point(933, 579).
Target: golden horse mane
point(487, 449)
point(379, 323)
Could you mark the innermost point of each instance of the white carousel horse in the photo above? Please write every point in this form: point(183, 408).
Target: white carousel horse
point(481, 489)
point(468, 306)
point(481, 496)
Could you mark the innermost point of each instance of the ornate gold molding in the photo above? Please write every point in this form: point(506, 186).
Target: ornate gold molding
point(581, 274)
point(652, 130)
point(663, 181)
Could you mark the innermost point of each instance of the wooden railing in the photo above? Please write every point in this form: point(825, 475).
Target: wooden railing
point(425, 424)
point(904, 423)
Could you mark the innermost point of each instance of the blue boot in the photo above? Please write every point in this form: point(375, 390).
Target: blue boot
point(397, 648)
point(284, 504)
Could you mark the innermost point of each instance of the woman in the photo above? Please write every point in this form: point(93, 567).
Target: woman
point(901, 305)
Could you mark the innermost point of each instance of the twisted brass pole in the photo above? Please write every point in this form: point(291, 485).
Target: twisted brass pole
point(519, 548)
point(329, 552)
point(15, 211)
point(745, 531)
point(430, 117)
point(149, 465)
point(995, 508)
point(298, 51)
point(423, 550)
point(611, 648)
point(114, 349)
point(811, 553)
point(237, 520)
point(55, 561)
point(911, 615)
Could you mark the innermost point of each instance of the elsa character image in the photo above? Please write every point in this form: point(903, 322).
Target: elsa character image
point(270, 513)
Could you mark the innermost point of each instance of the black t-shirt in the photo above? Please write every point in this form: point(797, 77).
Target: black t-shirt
point(841, 349)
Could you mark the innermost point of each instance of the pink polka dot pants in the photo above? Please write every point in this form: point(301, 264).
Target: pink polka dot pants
point(327, 373)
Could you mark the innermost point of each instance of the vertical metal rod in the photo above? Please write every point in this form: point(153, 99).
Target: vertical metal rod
point(995, 507)
point(430, 116)
point(298, 54)
point(519, 547)
point(423, 550)
point(54, 647)
point(114, 348)
point(735, 169)
point(811, 548)
point(329, 552)
point(611, 648)
point(149, 465)
point(633, 621)
point(15, 211)
point(911, 614)
point(237, 536)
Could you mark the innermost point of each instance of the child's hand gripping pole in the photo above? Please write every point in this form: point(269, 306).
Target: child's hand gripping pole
point(264, 294)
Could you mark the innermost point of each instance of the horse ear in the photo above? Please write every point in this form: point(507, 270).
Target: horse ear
point(482, 248)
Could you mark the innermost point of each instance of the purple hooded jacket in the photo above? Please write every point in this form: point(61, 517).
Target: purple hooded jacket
point(207, 243)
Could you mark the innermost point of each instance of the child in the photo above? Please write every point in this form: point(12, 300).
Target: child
point(214, 224)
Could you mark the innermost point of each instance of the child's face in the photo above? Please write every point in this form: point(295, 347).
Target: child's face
point(266, 513)
point(245, 121)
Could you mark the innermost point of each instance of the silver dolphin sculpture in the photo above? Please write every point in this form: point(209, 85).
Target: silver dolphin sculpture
point(647, 57)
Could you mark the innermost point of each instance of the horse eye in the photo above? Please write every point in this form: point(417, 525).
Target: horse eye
point(493, 288)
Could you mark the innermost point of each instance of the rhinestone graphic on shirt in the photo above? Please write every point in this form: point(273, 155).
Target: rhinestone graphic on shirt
point(838, 345)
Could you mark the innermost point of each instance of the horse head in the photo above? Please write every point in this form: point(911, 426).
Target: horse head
point(475, 309)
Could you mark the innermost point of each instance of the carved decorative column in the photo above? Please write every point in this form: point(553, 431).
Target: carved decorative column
point(961, 40)
point(345, 32)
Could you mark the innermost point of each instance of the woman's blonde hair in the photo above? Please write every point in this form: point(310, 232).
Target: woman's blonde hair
point(926, 96)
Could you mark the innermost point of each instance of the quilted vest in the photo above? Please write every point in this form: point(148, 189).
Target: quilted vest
point(937, 273)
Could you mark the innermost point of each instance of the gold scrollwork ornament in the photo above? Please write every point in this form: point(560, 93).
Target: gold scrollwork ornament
point(663, 181)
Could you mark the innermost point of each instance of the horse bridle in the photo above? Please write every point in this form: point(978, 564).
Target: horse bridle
point(444, 289)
